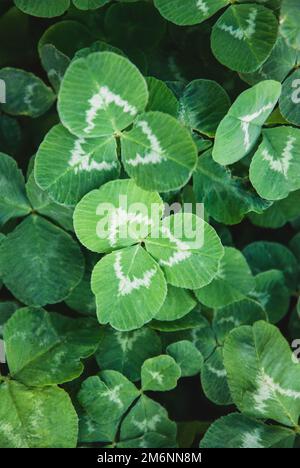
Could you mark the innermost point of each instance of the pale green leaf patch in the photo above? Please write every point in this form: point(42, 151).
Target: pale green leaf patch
point(263, 378)
point(103, 215)
point(189, 12)
point(36, 271)
point(105, 398)
point(36, 418)
point(232, 283)
point(244, 36)
point(191, 260)
point(26, 94)
point(67, 167)
point(113, 94)
point(244, 121)
point(45, 348)
point(158, 144)
point(54, 63)
point(130, 288)
point(239, 431)
point(160, 373)
point(275, 167)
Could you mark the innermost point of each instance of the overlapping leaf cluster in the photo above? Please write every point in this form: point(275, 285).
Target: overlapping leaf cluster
point(142, 340)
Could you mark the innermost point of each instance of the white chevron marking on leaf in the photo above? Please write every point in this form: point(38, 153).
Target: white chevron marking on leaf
point(247, 119)
point(203, 7)
point(147, 425)
point(121, 217)
point(267, 390)
point(156, 376)
point(182, 253)
point(113, 395)
point(101, 100)
point(281, 165)
point(239, 33)
point(252, 439)
point(126, 285)
point(83, 162)
point(221, 373)
point(155, 154)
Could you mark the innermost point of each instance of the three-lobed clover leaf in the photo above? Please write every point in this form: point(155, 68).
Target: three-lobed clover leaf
point(160, 373)
point(130, 282)
point(45, 348)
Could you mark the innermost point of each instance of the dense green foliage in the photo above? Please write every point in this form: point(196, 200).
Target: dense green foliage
point(142, 340)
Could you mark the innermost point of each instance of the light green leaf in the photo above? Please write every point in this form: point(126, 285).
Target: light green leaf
point(232, 283)
point(158, 144)
point(40, 263)
point(67, 167)
point(190, 12)
point(113, 94)
point(179, 302)
point(203, 105)
point(289, 22)
point(36, 418)
point(147, 417)
point(160, 373)
point(130, 288)
point(26, 94)
point(276, 164)
point(263, 378)
point(226, 197)
point(290, 98)
point(244, 121)
point(244, 36)
point(187, 356)
point(13, 200)
point(117, 215)
point(45, 348)
point(43, 8)
point(105, 398)
point(126, 352)
point(190, 260)
point(238, 431)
